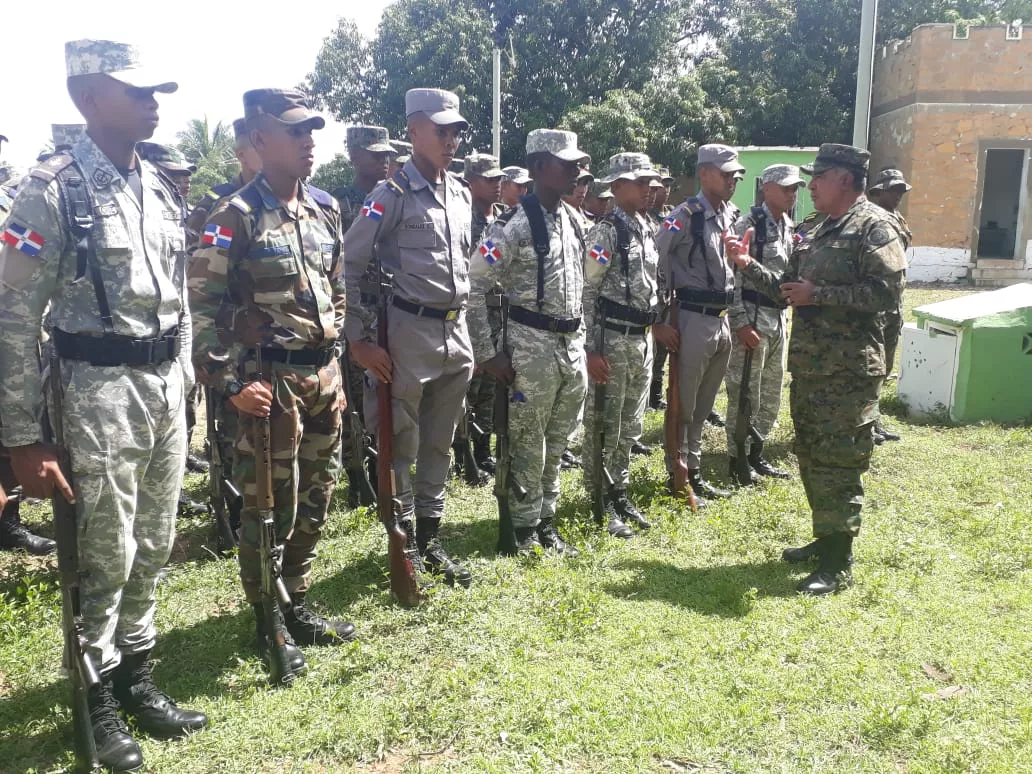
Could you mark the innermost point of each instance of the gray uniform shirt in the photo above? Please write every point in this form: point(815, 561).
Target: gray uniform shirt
point(776, 252)
point(704, 268)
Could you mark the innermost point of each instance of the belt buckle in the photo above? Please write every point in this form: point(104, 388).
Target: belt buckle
point(452, 315)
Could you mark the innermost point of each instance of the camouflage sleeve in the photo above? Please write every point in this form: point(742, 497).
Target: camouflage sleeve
point(882, 264)
point(30, 260)
point(598, 257)
point(370, 225)
point(769, 282)
point(340, 290)
point(208, 281)
point(486, 269)
point(196, 219)
point(737, 317)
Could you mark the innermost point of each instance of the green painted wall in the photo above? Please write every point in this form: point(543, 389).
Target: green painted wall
point(755, 160)
point(994, 372)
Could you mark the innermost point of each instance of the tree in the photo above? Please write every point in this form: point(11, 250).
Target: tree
point(212, 150)
point(334, 174)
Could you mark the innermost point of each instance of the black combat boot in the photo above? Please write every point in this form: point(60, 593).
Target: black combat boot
point(551, 540)
point(482, 454)
point(14, 535)
point(116, 749)
point(627, 510)
point(833, 574)
point(802, 553)
point(188, 507)
point(884, 433)
point(353, 487)
point(704, 488)
point(640, 449)
point(195, 464)
point(733, 472)
point(307, 628)
point(569, 460)
point(155, 713)
point(761, 465)
point(614, 524)
point(412, 548)
point(436, 558)
point(715, 419)
point(295, 658)
point(527, 542)
point(656, 400)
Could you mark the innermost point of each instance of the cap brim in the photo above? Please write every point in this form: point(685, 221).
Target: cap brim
point(667, 180)
point(636, 174)
point(731, 166)
point(380, 147)
point(491, 174)
point(147, 79)
point(448, 118)
point(889, 186)
point(571, 154)
point(298, 116)
point(807, 169)
point(607, 194)
point(791, 181)
point(520, 180)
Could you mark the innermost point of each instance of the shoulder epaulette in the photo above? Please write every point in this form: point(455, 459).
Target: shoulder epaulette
point(322, 198)
point(459, 178)
point(693, 204)
point(247, 198)
point(399, 183)
point(506, 215)
point(48, 170)
point(222, 189)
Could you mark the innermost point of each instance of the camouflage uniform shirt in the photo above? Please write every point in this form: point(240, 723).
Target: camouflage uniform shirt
point(350, 198)
point(199, 214)
point(776, 252)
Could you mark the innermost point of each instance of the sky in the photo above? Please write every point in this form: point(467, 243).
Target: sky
point(215, 51)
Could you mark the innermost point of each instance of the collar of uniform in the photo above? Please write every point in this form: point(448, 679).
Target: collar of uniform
point(786, 221)
point(708, 208)
point(272, 202)
point(415, 177)
point(631, 219)
point(96, 166)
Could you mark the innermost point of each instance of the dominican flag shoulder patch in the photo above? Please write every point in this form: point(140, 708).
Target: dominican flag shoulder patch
point(217, 236)
point(22, 238)
point(600, 254)
point(372, 210)
point(672, 224)
point(490, 252)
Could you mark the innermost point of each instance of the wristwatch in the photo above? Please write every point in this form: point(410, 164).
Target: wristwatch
point(234, 388)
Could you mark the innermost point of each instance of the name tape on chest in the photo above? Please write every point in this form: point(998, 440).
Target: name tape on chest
point(23, 238)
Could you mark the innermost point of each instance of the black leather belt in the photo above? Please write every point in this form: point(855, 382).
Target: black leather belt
point(627, 330)
point(714, 297)
point(426, 311)
point(807, 312)
point(709, 311)
point(494, 300)
point(544, 322)
point(113, 350)
point(317, 358)
point(753, 297)
point(627, 314)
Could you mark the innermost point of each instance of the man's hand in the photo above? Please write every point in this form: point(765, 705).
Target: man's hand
point(3, 498)
point(749, 336)
point(373, 358)
point(255, 399)
point(667, 335)
point(38, 471)
point(737, 250)
point(798, 293)
point(500, 367)
point(598, 368)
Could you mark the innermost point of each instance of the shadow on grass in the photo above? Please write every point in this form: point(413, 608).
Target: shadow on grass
point(32, 737)
point(729, 591)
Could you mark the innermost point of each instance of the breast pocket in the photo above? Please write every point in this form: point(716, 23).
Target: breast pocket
point(416, 240)
point(274, 274)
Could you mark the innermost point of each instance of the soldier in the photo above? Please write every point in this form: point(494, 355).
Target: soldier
point(692, 261)
point(620, 284)
point(546, 365)
point(515, 185)
point(170, 161)
point(598, 202)
point(420, 222)
point(660, 208)
point(576, 198)
point(126, 341)
point(840, 284)
point(759, 321)
point(404, 153)
point(268, 276)
point(887, 192)
point(370, 151)
point(660, 213)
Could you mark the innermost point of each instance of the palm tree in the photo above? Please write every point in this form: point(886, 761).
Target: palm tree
point(212, 150)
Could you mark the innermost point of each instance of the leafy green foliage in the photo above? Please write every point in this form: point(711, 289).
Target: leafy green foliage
point(212, 150)
point(334, 174)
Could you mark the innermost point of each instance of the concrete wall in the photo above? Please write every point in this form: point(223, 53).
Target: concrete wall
point(756, 158)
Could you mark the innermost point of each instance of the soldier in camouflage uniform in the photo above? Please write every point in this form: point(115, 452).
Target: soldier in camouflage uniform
point(125, 338)
point(546, 364)
point(576, 198)
point(172, 163)
point(620, 285)
point(515, 185)
point(660, 213)
point(268, 276)
point(840, 284)
point(598, 202)
point(760, 322)
point(887, 192)
point(419, 223)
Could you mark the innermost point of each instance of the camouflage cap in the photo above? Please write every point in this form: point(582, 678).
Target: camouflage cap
point(401, 147)
point(119, 60)
point(782, 174)
point(665, 175)
point(562, 145)
point(656, 183)
point(66, 135)
point(517, 175)
point(630, 166)
point(374, 139)
point(440, 106)
point(585, 174)
point(833, 154)
point(888, 179)
point(165, 156)
point(482, 165)
point(600, 190)
point(723, 157)
point(401, 160)
point(288, 106)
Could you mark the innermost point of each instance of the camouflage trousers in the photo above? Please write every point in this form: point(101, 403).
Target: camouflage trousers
point(354, 390)
point(127, 452)
point(480, 396)
point(833, 417)
point(765, 383)
point(305, 444)
point(544, 409)
point(627, 392)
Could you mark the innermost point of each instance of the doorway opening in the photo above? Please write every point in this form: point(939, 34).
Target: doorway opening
point(1003, 183)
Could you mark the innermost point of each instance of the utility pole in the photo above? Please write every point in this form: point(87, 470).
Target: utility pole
point(865, 72)
point(496, 103)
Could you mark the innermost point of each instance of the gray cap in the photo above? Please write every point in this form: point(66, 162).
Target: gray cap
point(888, 179)
point(833, 154)
point(440, 106)
point(561, 144)
point(119, 60)
point(723, 157)
point(288, 106)
point(585, 174)
point(401, 147)
point(782, 174)
point(600, 190)
point(517, 175)
point(482, 165)
point(374, 139)
point(239, 129)
point(630, 166)
point(66, 135)
point(165, 156)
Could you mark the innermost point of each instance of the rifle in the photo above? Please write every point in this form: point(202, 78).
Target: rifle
point(602, 476)
point(225, 497)
point(76, 660)
point(273, 592)
point(672, 422)
point(463, 447)
point(388, 506)
point(503, 485)
point(743, 422)
point(361, 452)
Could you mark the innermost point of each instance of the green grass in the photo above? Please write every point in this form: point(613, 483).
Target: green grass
point(684, 650)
